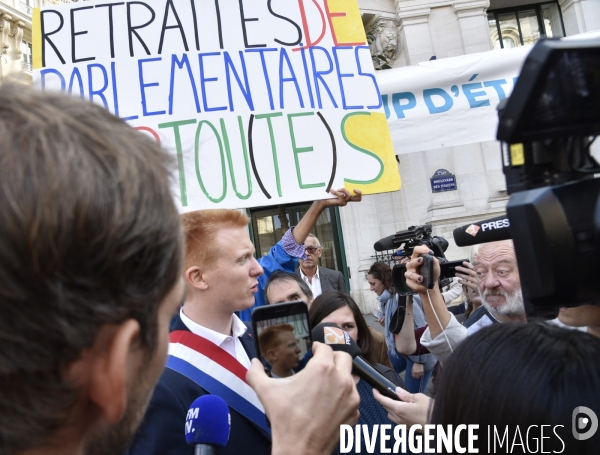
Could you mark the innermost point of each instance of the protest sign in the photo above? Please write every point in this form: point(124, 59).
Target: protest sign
point(261, 102)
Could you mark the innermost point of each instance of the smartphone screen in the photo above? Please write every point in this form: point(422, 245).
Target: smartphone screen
point(282, 334)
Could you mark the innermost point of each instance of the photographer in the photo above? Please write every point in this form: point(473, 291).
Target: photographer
point(498, 279)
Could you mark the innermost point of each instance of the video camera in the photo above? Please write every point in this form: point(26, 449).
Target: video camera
point(409, 239)
point(547, 127)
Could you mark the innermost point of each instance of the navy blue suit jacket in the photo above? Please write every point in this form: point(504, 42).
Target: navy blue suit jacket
point(163, 428)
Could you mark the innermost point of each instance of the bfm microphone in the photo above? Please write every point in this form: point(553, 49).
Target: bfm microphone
point(336, 338)
point(207, 424)
point(485, 231)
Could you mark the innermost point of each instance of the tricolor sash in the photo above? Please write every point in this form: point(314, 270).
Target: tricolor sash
point(217, 372)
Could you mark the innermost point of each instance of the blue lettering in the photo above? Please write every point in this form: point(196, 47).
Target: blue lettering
point(318, 75)
point(204, 80)
point(101, 91)
point(361, 73)
point(284, 57)
point(180, 63)
point(143, 86)
point(400, 108)
point(230, 68)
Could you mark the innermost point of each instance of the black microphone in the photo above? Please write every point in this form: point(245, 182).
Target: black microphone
point(207, 424)
point(485, 231)
point(336, 338)
point(386, 243)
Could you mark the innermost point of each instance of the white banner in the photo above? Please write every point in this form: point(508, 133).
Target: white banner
point(448, 102)
point(451, 101)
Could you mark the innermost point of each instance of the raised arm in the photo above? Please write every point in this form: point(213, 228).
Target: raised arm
point(308, 221)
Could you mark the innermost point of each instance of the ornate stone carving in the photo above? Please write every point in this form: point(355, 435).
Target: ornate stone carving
point(5, 26)
point(383, 39)
point(19, 37)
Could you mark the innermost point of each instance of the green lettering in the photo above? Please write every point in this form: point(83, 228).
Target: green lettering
point(298, 150)
point(224, 176)
point(230, 162)
point(273, 146)
point(175, 126)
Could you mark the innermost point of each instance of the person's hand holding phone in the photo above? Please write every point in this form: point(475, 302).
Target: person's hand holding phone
point(307, 409)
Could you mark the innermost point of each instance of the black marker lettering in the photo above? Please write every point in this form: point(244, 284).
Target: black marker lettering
point(299, 30)
point(244, 20)
point(46, 35)
point(110, 25)
point(74, 34)
point(165, 26)
point(131, 30)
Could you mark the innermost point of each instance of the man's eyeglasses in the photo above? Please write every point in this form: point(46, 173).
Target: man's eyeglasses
point(311, 249)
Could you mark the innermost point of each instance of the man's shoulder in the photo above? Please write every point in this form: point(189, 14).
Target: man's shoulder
point(477, 314)
point(331, 272)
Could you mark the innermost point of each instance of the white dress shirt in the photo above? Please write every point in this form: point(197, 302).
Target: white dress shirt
point(229, 343)
point(315, 286)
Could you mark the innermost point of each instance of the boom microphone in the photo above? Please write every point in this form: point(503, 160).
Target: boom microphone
point(207, 424)
point(485, 231)
point(336, 338)
point(386, 243)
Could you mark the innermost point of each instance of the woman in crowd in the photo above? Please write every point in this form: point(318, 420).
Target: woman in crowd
point(340, 309)
point(379, 277)
point(419, 366)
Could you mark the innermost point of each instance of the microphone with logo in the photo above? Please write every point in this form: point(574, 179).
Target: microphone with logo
point(338, 340)
point(207, 424)
point(492, 230)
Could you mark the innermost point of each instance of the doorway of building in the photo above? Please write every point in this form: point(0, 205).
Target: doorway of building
point(270, 223)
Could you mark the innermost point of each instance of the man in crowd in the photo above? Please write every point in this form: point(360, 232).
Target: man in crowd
point(280, 348)
point(287, 287)
point(284, 255)
point(90, 262)
point(497, 276)
point(319, 279)
point(222, 276)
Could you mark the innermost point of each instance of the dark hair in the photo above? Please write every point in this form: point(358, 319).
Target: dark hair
point(330, 301)
point(90, 235)
point(383, 273)
point(280, 275)
point(512, 374)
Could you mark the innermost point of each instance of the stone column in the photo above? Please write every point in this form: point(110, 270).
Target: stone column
point(472, 18)
point(414, 29)
point(580, 16)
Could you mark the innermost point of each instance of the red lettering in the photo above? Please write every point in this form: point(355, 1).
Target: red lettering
point(310, 43)
point(149, 130)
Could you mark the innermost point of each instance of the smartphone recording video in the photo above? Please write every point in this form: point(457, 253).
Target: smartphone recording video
point(283, 339)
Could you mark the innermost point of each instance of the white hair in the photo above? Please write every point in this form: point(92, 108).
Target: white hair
point(316, 239)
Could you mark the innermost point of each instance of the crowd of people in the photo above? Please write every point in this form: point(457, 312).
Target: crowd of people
point(104, 283)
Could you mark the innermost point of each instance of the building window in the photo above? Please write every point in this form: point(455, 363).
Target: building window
point(27, 60)
point(524, 25)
